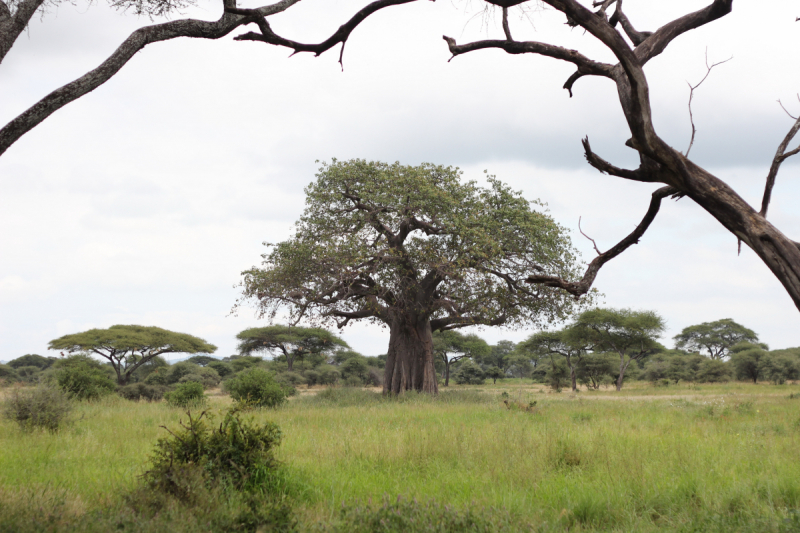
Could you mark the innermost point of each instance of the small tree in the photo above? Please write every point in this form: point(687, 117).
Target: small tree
point(745, 358)
point(594, 369)
point(469, 373)
point(256, 387)
point(451, 346)
point(714, 338)
point(290, 342)
point(416, 249)
point(129, 347)
point(32, 359)
point(568, 342)
point(83, 378)
point(495, 373)
point(630, 334)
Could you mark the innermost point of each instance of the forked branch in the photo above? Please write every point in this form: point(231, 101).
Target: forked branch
point(691, 96)
point(780, 156)
point(579, 288)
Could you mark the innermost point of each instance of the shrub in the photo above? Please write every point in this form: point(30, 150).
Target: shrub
point(329, 375)
point(7, 374)
point(713, 371)
point(32, 359)
point(189, 394)
point(469, 373)
point(353, 381)
point(207, 377)
point(290, 379)
point(312, 377)
point(178, 370)
point(257, 387)
point(28, 374)
point(238, 453)
point(83, 378)
point(42, 407)
point(142, 391)
point(223, 369)
point(374, 377)
point(157, 377)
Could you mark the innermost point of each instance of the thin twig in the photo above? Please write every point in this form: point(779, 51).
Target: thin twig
point(594, 243)
point(691, 95)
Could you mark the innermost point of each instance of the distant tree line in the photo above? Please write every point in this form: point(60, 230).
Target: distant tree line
point(599, 348)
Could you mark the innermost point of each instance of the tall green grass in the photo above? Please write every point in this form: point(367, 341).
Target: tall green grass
point(726, 462)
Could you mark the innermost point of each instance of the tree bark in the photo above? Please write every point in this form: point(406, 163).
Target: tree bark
point(409, 365)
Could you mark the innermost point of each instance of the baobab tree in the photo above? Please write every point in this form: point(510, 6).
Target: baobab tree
point(417, 250)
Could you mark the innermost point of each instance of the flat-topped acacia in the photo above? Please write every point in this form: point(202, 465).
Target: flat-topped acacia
point(129, 347)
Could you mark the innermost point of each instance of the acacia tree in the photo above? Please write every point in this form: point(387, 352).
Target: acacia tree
point(716, 338)
point(417, 250)
point(451, 346)
point(291, 342)
point(630, 334)
point(128, 347)
point(566, 342)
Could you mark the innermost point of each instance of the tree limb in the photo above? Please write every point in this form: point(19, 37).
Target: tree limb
point(579, 288)
point(780, 156)
point(11, 26)
point(340, 36)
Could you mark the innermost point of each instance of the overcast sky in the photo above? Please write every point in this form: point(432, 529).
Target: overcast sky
point(143, 201)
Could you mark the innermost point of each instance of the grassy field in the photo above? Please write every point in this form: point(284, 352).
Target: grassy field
point(707, 458)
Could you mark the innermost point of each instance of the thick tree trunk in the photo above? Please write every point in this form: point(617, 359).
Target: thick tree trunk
point(409, 365)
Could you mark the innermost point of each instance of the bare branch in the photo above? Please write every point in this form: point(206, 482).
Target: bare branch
point(506, 28)
point(636, 37)
point(593, 242)
point(340, 36)
point(579, 288)
point(780, 156)
point(585, 65)
point(691, 96)
point(607, 168)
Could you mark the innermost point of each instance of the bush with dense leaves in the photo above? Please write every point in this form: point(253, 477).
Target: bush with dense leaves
point(83, 378)
point(189, 394)
point(223, 369)
point(142, 391)
point(42, 407)
point(7, 374)
point(256, 387)
point(714, 371)
point(32, 359)
point(237, 452)
point(469, 373)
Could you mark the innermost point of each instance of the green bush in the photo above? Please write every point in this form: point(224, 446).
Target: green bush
point(469, 373)
point(223, 369)
point(328, 375)
point(257, 387)
point(714, 371)
point(32, 359)
point(142, 391)
point(7, 374)
point(28, 374)
point(237, 453)
point(207, 377)
point(353, 381)
point(83, 378)
point(290, 379)
point(312, 377)
point(178, 370)
point(189, 394)
point(41, 407)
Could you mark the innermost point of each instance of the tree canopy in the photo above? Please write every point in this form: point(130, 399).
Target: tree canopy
point(292, 342)
point(127, 348)
point(632, 335)
point(714, 338)
point(416, 249)
point(451, 346)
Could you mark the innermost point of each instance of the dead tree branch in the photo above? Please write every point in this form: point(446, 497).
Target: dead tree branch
point(593, 242)
point(691, 96)
point(780, 156)
point(579, 288)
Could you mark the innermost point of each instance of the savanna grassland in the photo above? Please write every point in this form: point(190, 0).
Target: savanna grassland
point(694, 458)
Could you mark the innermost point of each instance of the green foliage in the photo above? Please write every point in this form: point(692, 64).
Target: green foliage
point(222, 368)
point(409, 516)
point(369, 226)
point(716, 338)
point(83, 378)
point(289, 343)
point(328, 375)
point(469, 373)
point(42, 407)
point(28, 374)
point(129, 347)
point(202, 360)
point(714, 371)
point(557, 373)
point(494, 373)
point(205, 376)
point(256, 387)
point(778, 368)
point(237, 452)
point(33, 359)
point(746, 363)
point(142, 391)
point(7, 374)
point(596, 369)
point(188, 395)
point(179, 370)
point(355, 367)
point(242, 362)
point(156, 364)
